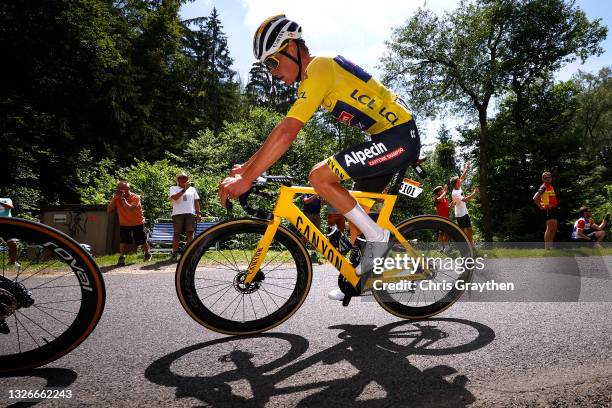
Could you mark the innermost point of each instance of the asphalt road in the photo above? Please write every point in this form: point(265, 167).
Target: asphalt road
point(146, 351)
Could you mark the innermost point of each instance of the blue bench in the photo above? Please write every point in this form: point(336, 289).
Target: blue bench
point(161, 235)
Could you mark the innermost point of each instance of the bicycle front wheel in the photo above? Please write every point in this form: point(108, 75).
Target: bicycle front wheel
point(444, 248)
point(51, 294)
point(210, 278)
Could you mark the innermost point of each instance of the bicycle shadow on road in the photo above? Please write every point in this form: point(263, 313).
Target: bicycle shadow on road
point(58, 378)
point(369, 367)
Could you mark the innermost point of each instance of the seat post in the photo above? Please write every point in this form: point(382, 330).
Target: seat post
point(396, 181)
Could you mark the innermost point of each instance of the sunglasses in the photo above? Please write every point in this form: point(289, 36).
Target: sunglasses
point(271, 62)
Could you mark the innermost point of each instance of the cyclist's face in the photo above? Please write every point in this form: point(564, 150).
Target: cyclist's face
point(286, 70)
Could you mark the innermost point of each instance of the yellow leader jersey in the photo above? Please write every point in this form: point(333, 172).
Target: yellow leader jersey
point(351, 95)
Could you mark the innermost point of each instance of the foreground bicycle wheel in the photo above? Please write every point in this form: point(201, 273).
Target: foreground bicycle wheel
point(446, 259)
point(210, 275)
point(51, 296)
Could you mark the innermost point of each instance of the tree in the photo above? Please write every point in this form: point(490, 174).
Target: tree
point(535, 53)
point(464, 59)
point(214, 91)
point(266, 91)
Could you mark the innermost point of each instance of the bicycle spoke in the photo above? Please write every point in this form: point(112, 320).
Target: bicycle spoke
point(27, 331)
point(228, 289)
point(51, 316)
point(214, 293)
point(57, 310)
point(36, 324)
point(222, 264)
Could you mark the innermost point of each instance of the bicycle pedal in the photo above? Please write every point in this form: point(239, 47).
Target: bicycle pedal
point(346, 300)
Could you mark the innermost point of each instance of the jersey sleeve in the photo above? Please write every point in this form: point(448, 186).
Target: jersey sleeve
point(173, 191)
point(312, 90)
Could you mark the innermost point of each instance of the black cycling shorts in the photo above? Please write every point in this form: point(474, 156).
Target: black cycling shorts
point(132, 234)
point(372, 164)
point(549, 214)
point(464, 222)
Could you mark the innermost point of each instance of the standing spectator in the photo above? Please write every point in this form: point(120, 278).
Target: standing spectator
point(185, 210)
point(131, 220)
point(460, 202)
point(442, 209)
point(546, 200)
point(334, 217)
point(6, 205)
point(312, 208)
point(585, 228)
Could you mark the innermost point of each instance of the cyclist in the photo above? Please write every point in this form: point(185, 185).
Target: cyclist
point(546, 200)
point(585, 228)
point(352, 96)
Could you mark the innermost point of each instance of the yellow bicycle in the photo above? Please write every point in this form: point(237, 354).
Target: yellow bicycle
point(249, 275)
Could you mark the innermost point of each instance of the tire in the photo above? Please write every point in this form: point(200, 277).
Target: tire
point(218, 258)
point(421, 231)
point(67, 295)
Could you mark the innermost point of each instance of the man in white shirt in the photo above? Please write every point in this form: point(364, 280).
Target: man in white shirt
point(460, 200)
point(185, 210)
point(6, 205)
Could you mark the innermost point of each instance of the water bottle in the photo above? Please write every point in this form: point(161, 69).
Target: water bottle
point(355, 255)
point(339, 240)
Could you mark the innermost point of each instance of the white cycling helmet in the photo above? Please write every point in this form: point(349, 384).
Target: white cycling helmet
point(272, 34)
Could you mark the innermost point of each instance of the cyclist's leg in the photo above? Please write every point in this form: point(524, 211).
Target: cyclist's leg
point(374, 184)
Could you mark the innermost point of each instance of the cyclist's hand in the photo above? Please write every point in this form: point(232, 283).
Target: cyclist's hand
point(237, 170)
point(233, 187)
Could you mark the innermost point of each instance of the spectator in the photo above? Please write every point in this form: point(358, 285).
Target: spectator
point(586, 230)
point(131, 220)
point(460, 202)
point(334, 217)
point(442, 209)
point(185, 211)
point(6, 205)
point(546, 200)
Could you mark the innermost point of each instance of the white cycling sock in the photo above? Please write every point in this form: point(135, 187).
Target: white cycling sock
point(366, 225)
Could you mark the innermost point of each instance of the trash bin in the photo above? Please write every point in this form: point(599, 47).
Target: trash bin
point(88, 224)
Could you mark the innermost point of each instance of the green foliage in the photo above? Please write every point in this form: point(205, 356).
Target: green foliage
point(483, 49)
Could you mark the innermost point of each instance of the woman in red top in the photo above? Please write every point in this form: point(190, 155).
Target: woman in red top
point(442, 209)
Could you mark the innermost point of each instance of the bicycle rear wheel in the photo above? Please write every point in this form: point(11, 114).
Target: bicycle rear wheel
point(210, 274)
point(445, 260)
point(51, 294)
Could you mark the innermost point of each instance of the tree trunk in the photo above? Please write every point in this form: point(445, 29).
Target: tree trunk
point(484, 175)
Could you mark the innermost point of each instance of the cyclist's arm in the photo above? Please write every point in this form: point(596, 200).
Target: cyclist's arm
point(276, 144)
point(196, 204)
point(311, 199)
point(468, 198)
point(536, 199)
point(465, 171)
point(130, 207)
point(580, 234)
point(6, 205)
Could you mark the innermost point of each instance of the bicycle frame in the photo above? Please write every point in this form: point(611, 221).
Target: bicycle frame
point(285, 208)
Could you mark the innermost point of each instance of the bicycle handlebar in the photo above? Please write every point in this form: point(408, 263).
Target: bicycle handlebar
point(257, 188)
